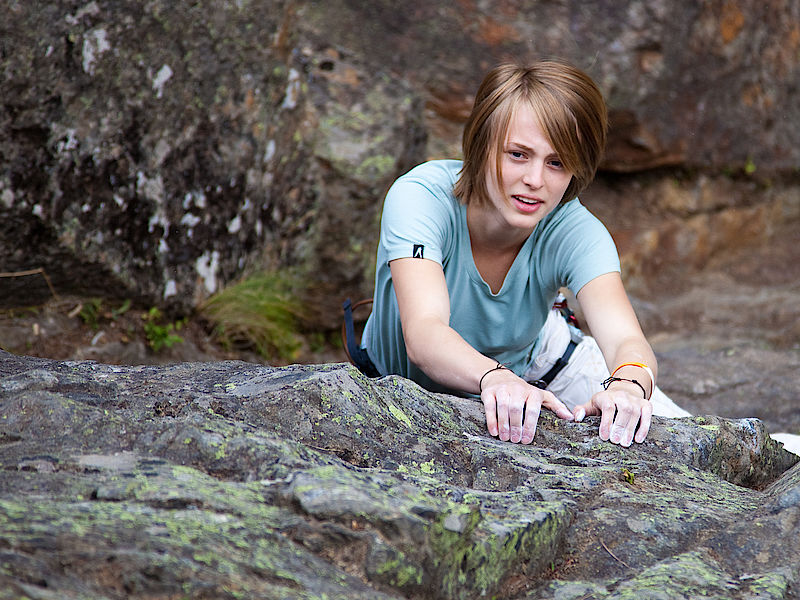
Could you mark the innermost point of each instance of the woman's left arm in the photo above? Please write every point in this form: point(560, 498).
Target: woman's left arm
point(613, 324)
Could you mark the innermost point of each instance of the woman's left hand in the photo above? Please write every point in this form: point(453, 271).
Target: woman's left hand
point(625, 412)
point(621, 410)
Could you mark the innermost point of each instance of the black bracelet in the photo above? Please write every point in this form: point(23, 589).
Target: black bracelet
point(612, 379)
point(497, 368)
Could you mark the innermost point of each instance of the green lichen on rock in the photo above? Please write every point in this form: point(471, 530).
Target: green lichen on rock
point(302, 482)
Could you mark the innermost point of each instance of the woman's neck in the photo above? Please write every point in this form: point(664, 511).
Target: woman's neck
point(494, 245)
point(487, 231)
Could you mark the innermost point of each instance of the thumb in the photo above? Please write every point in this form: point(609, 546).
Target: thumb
point(558, 407)
point(581, 410)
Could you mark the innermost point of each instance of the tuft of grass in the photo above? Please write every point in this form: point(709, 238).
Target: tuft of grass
point(161, 335)
point(261, 313)
point(90, 313)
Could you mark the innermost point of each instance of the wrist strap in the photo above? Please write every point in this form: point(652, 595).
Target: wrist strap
point(612, 379)
point(497, 368)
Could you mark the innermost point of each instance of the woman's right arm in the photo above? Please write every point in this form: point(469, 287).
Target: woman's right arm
point(512, 406)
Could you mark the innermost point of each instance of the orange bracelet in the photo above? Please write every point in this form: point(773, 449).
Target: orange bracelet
point(647, 370)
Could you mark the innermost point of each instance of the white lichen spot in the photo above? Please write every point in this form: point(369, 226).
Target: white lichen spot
point(38, 211)
point(94, 44)
point(163, 248)
point(269, 153)
point(90, 9)
point(86, 208)
point(8, 199)
point(159, 218)
point(190, 220)
point(170, 289)
point(71, 143)
point(206, 267)
point(162, 77)
point(259, 228)
point(118, 200)
point(162, 150)
point(292, 90)
point(49, 51)
point(152, 189)
point(235, 225)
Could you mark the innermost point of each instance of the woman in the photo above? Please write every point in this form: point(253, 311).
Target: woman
point(473, 254)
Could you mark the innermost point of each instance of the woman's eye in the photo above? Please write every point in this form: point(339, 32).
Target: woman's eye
point(556, 164)
point(516, 154)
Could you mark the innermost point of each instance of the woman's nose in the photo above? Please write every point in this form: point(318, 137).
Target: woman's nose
point(534, 175)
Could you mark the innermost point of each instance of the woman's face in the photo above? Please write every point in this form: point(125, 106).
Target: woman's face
point(533, 178)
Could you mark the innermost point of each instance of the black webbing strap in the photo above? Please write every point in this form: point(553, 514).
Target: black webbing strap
point(548, 377)
point(358, 356)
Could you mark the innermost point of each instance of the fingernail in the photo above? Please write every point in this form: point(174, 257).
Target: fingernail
point(580, 415)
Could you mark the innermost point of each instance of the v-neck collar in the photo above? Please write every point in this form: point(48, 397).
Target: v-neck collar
point(475, 275)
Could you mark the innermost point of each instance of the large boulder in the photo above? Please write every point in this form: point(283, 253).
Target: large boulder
point(698, 84)
point(231, 480)
point(158, 151)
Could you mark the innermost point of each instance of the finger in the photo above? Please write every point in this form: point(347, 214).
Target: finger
point(532, 410)
point(581, 411)
point(607, 410)
point(515, 411)
point(624, 423)
point(503, 400)
point(490, 408)
point(554, 404)
point(644, 423)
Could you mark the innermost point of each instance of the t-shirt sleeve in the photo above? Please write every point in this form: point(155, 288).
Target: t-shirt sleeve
point(584, 247)
point(416, 221)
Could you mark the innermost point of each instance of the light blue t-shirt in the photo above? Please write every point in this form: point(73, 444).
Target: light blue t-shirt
point(422, 218)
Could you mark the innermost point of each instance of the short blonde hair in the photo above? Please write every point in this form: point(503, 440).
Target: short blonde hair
point(568, 106)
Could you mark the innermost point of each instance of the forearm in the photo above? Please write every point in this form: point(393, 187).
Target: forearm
point(445, 356)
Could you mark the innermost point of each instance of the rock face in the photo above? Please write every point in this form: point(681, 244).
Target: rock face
point(232, 480)
point(687, 83)
point(158, 151)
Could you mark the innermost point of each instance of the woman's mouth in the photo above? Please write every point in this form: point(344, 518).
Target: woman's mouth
point(526, 204)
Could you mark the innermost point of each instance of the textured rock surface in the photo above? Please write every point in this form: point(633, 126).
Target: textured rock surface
point(157, 151)
point(688, 83)
point(232, 480)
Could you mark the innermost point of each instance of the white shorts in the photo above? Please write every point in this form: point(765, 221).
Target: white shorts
point(583, 375)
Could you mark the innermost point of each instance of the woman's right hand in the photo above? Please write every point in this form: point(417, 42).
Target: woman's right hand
point(512, 406)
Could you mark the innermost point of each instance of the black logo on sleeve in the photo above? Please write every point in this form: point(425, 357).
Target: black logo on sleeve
point(419, 250)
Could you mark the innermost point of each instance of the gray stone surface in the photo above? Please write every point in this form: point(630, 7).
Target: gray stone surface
point(158, 150)
point(234, 480)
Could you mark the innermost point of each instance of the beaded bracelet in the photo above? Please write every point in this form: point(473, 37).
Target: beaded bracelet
point(612, 379)
point(497, 368)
